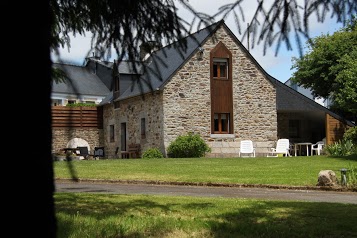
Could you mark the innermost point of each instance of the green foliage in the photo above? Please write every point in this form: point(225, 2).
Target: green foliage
point(352, 177)
point(340, 148)
point(188, 146)
point(329, 68)
point(152, 153)
point(58, 75)
point(81, 105)
point(351, 134)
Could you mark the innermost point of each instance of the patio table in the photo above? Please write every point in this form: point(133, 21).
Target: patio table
point(307, 144)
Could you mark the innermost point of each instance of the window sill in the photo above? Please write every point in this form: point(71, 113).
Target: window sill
point(222, 136)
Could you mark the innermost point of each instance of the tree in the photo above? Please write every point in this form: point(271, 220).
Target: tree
point(48, 24)
point(111, 22)
point(329, 68)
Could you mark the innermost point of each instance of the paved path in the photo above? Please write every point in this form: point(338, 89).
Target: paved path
point(207, 191)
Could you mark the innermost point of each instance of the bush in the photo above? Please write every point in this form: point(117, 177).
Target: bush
point(351, 134)
point(188, 146)
point(341, 148)
point(352, 177)
point(152, 153)
point(80, 104)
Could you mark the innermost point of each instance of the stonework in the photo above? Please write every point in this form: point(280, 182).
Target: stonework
point(184, 106)
point(187, 106)
point(130, 112)
point(61, 136)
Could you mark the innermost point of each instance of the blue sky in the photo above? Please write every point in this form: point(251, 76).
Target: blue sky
point(277, 66)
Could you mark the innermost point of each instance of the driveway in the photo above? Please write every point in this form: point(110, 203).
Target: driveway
point(286, 194)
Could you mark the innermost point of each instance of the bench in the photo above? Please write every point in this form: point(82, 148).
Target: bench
point(134, 151)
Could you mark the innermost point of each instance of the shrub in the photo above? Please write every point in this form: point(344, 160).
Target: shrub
point(80, 104)
point(152, 153)
point(352, 177)
point(188, 146)
point(342, 148)
point(351, 134)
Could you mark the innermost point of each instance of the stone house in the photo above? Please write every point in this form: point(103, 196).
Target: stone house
point(213, 88)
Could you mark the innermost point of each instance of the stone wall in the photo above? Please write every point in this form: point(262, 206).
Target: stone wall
point(61, 136)
point(130, 112)
point(187, 105)
point(184, 106)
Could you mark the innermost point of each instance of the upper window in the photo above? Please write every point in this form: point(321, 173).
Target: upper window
point(220, 68)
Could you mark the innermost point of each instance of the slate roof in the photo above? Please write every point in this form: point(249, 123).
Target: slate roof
point(290, 100)
point(81, 81)
point(125, 67)
point(165, 62)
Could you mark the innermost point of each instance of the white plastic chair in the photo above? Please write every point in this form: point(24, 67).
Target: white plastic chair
point(282, 147)
point(246, 149)
point(317, 147)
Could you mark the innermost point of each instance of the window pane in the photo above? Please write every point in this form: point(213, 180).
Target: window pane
point(222, 70)
point(123, 136)
point(143, 128)
point(216, 122)
point(224, 119)
point(111, 133)
point(215, 68)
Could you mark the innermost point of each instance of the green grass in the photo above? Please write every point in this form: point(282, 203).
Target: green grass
point(111, 215)
point(296, 171)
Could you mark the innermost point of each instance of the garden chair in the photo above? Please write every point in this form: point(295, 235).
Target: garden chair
point(282, 147)
point(246, 148)
point(99, 152)
point(317, 147)
point(83, 151)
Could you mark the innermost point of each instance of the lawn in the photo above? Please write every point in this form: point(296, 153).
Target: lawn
point(295, 171)
point(112, 215)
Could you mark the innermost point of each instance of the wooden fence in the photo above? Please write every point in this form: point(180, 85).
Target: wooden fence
point(77, 117)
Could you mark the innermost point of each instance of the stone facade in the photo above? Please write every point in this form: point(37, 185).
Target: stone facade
point(130, 112)
point(184, 106)
point(61, 136)
point(187, 102)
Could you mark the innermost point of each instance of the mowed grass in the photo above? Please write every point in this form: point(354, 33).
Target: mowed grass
point(113, 215)
point(294, 171)
point(110, 215)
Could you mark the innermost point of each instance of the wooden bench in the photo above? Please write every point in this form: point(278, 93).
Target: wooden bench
point(134, 151)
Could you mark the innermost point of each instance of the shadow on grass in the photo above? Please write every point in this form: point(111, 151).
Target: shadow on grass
point(239, 218)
